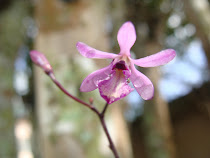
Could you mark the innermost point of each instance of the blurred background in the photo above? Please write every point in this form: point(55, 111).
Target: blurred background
point(38, 121)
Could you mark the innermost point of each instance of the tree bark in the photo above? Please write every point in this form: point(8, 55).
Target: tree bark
point(66, 128)
point(198, 12)
point(156, 119)
point(61, 26)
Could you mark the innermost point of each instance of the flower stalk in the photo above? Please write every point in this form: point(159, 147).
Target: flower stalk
point(40, 60)
point(92, 108)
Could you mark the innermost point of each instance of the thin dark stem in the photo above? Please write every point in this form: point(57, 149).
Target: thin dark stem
point(104, 110)
point(52, 76)
point(91, 107)
point(111, 144)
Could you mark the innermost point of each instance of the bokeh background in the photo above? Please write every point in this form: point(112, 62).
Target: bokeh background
point(38, 121)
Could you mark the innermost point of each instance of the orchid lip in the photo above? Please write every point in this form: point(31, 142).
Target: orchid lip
point(115, 86)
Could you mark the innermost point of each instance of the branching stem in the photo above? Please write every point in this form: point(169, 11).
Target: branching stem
point(91, 107)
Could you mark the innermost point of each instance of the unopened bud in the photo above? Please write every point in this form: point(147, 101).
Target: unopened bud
point(40, 60)
point(91, 101)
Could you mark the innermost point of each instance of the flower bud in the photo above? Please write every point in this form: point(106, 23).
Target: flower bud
point(40, 60)
point(91, 100)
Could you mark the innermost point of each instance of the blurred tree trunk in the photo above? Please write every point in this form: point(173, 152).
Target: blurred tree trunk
point(198, 13)
point(66, 128)
point(157, 126)
point(157, 119)
point(121, 135)
point(12, 37)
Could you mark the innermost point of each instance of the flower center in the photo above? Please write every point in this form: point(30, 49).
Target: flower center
point(120, 65)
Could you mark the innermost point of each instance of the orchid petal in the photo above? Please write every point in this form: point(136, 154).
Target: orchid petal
point(91, 81)
point(115, 87)
point(90, 52)
point(126, 37)
point(142, 84)
point(157, 59)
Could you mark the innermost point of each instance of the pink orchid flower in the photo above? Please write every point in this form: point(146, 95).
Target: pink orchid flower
point(112, 81)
